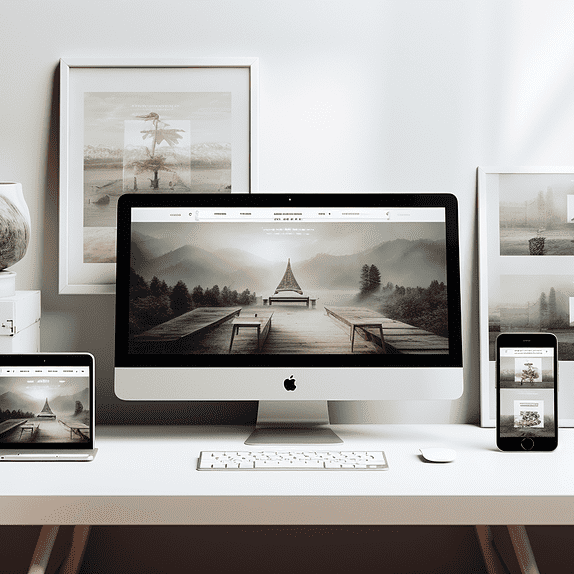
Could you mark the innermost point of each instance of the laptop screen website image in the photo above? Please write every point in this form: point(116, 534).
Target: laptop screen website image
point(45, 407)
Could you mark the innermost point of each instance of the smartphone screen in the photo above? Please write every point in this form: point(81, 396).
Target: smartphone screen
point(527, 398)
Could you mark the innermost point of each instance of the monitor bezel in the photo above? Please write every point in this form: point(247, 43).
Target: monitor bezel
point(280, 200)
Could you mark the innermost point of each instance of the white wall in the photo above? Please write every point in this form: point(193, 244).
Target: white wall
point(361, 95)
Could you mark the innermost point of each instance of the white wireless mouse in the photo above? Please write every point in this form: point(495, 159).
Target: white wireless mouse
point(438, 454)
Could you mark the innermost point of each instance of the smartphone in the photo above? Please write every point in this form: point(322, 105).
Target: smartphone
point(526, 391)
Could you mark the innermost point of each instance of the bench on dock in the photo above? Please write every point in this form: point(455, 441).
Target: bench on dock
point(79, 428)
point(261, 323)
point(361, 320)
point(399, 337)
point(363, 325)
point(173, 335)
point(307, 300)
point(31, 427)
point(11, 424)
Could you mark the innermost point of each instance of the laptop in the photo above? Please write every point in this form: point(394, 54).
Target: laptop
point(47, 407)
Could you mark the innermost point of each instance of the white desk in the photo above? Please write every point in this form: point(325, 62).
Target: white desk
point(147, 475)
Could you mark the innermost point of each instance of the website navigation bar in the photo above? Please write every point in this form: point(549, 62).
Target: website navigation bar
point(286, 215)
point(44, 372)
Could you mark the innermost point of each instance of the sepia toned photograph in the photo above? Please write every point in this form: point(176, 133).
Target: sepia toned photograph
point(536, 216)
point(533, 303)
point(328, 288)
point(150, 143)
point(44, 410)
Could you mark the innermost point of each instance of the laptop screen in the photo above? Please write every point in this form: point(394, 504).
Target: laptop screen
point(45, 404)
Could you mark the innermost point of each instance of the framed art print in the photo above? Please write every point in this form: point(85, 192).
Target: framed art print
point(526, 270)
point(153, 126)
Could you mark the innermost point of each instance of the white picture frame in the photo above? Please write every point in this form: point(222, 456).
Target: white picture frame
point(98, 99)
point(517, 207)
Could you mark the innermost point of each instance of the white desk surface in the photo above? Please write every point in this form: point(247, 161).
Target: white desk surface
point(147, 475)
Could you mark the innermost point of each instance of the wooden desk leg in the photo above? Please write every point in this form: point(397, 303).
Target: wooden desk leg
point(73, 561)
point(43, 549)
point(506, 548)
point(43, 552)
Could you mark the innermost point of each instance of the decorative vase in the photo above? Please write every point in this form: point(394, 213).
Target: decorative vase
point(15, 226)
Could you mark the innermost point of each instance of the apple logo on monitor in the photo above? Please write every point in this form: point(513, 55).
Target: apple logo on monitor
point(289, 384)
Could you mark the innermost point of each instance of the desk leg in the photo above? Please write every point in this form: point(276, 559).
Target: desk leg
point(73, 561)
point(43, 549)
point(43, 552)
point(506, 548)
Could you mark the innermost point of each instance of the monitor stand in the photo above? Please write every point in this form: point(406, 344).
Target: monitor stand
point(293, 422)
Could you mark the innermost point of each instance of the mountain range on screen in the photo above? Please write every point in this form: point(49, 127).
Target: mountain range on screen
point(13, 401)
point(402, 262)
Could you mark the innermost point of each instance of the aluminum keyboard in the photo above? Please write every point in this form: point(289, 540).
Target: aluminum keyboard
point(293, 460)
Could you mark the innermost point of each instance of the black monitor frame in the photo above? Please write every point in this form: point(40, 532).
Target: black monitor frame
point(123, 358)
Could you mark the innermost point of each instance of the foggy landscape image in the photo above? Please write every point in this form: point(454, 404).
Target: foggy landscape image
point(536, 214)
point(150, 143)
point(286, 272)
point(533, 303)
point(44, 409)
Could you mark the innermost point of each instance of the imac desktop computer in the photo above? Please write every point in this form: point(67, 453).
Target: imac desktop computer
point(292, 300)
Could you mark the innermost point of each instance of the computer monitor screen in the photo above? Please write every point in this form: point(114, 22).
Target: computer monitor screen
point(288, 297)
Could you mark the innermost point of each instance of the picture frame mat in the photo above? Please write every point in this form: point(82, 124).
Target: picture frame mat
point(78, 76)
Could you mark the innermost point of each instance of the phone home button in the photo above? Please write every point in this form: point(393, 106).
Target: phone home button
point(527, 444)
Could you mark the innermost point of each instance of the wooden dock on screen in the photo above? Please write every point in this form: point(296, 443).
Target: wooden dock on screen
point(173, 335)
point(11, 424)
point(82, 430)
point(399, 337)
point(299, 331)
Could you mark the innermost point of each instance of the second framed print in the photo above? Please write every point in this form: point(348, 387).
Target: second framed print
point(526, 270)
point(153, 126)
